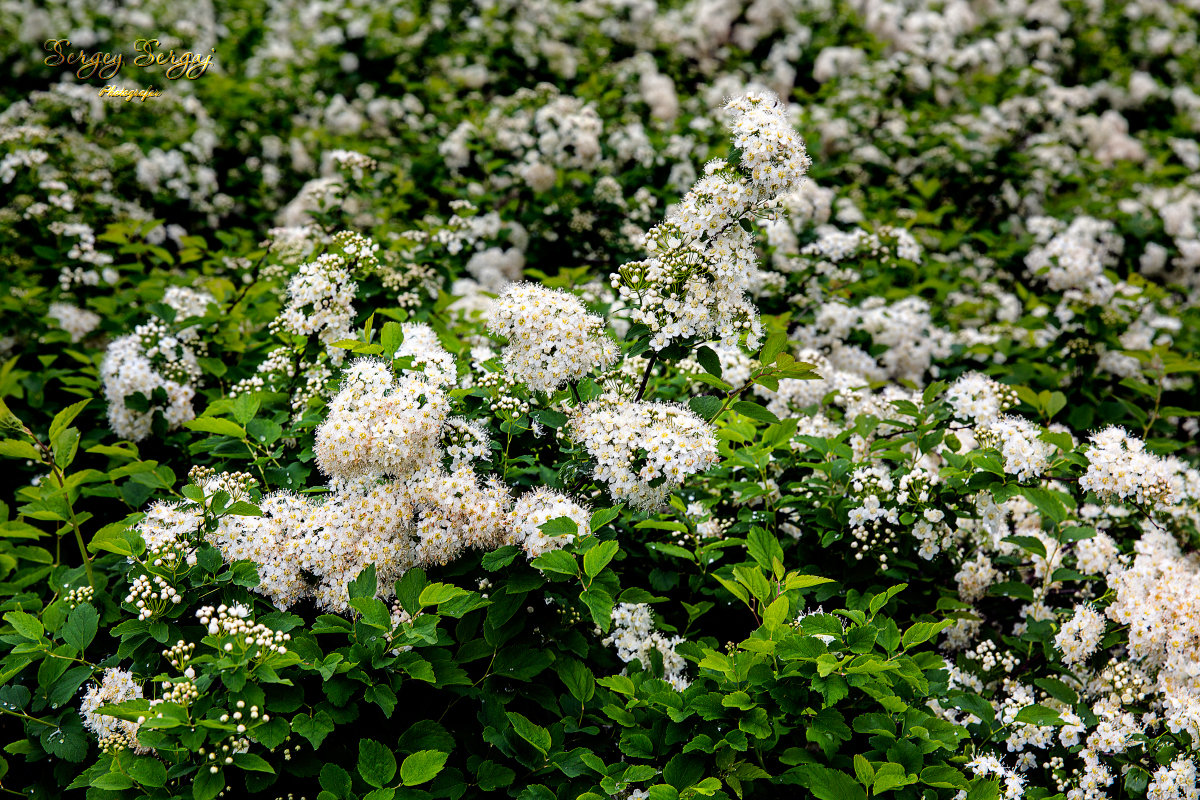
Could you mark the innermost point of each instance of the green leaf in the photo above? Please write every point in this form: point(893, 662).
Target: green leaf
point(365, 585)
point(559, 526)
point(26, 625)
point(754, 411)
point(863, 770)
point(576, 677)
point(65, 417)
point(15, 448)
point(207, 785)
point(81, 626)
point(222, 427)
point(705, 405)
point(1056, 403)
point(112, 781)
point(391, 337)
point(492, 776)
point(1039, 715)
point(66, 686)
point(500, 558)
point(890, 776)
point(314, 728)
point(1031, 544)
point(536, 735)
point(983, 789)
point(709, 361)
point(711, 380)
point(437, 593)
point(376, 763)
point(775, 344)
point(603, 516)
point(829, 784)
point(596, 559)
point(559, 561)
point(763, 547)
point(245, 406)
point(683, 771)
point(422, 766)
point(252, 763)
point(64, 446)
point(600, 604)
point(148, 771)
point(1057, 689)
point(336, 780)
point(920, 632)
point(943, 777)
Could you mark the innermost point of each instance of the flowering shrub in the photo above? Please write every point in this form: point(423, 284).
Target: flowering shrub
point(764, 398)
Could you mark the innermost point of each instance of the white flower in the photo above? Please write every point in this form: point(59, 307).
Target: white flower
point(552, 339)
point(642, 450)
point(1079, 636)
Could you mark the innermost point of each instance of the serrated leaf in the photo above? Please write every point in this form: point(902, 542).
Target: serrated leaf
point(600, 604)
point(943, 777)
point(705, 405)
point(558, 561)
point(314, 728)
point(709, 361)
point(81, 626)
point(437, 593)
point(63, 419)
point(596, 559)
point(754, 411)
point(221, 427)
point(1039, 715)
point(15, 448)
point(26, 625)
point(422, 766)
point(376, 763)
point(577, 678)
point(829, 784)
point(775, 344)
point(603, 516)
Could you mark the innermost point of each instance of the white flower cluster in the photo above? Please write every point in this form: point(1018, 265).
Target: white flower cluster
point(1079, 636)
point(465, 441)
point(116, 686)
point(701, 259)
point(978, 398)
point(1013, 782)
point(905, 328)
point(1074, 260)
point(150, 358)
point(76, 321)
point(1025, 455)
point(642, 450)
point(552, 339)
point(380, 423)
point(1174, 781)
point(495, 267)
point(535, 509)
point(321, 302)
point(1158, 598)
point(237, 632)
point(167, 526)
point(390, 502)
point(634, 636)
point(152, 597)
point(1120, 467)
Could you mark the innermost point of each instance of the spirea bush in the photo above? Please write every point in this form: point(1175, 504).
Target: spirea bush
point(559, 400)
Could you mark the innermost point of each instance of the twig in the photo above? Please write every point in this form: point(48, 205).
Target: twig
point(646, 375)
